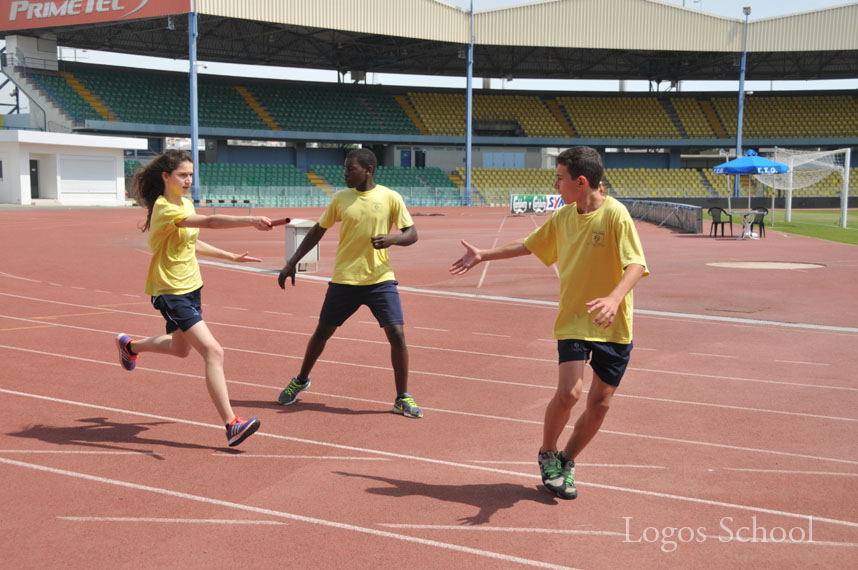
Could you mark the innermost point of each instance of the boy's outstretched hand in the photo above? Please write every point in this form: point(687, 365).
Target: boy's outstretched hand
point(466, 262)
point(288, 271)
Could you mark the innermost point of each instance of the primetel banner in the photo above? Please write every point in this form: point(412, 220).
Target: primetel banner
point(534, 203)
point(27, 14)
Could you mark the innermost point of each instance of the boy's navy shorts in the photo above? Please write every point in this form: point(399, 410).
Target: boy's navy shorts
point(341, 302)
point(609, 359)
point(180, 311)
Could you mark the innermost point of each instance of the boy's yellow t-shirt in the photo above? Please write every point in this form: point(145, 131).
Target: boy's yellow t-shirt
point(173, 269)
point(364, 215)
point(591, 251)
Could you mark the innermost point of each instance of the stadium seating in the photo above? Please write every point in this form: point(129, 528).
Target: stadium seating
point(154, 98)
point(619, 117)
point(273, 185)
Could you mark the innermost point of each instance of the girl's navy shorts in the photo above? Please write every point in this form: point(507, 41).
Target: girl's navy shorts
point(341, 302)
point(180, 311)
point(609, 359)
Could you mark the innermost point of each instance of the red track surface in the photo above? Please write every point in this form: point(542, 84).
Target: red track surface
point(727, 419)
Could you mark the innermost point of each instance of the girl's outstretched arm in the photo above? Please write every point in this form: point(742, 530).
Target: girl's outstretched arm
point(223, 221)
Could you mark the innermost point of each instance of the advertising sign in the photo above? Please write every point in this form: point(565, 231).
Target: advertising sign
point(534, 204)
point(28, 14)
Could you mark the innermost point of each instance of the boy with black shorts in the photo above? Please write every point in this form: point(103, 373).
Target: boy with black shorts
point(600, 259)
point(362, 272)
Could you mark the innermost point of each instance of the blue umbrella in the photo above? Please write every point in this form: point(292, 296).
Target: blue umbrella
point(751, 163)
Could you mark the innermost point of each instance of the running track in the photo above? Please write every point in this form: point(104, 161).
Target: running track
point(738, 415)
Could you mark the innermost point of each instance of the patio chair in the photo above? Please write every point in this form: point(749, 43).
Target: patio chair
point(719, 217)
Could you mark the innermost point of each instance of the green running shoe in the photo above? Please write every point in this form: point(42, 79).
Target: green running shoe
point(290, 393)
point(405, 405)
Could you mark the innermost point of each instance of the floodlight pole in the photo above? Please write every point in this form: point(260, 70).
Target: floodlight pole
point(844, 193)
point(469, 110)
point(747, 11)
point(195, 128)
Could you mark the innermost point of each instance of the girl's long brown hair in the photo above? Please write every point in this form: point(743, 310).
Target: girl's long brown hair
point(148, 182)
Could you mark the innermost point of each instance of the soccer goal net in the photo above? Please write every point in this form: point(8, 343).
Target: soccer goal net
point(818, 173)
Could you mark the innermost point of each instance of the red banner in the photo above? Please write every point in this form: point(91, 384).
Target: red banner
point(28, 14)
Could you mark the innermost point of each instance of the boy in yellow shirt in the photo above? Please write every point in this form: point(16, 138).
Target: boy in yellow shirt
point(600, 259)
point(362, 272)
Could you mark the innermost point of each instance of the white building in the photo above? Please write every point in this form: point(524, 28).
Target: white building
point(69, 169)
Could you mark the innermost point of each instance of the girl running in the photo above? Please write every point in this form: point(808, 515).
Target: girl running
point(174, 281)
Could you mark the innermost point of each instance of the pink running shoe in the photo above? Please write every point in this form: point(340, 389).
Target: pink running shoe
point(126, 359)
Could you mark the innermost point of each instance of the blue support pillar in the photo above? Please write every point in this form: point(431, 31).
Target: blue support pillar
point(195, 129)
point(747, 11)
point(469, 112)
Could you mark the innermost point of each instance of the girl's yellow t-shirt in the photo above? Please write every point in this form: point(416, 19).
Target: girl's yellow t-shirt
point(173, 269)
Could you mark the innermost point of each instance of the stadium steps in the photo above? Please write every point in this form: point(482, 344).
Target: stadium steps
point(706, 184)
point(674, 117)
point(89, 97)
point(411, 112)
point(557, 112)
point(710, 113)
point(320, 182)
point(457, 180)
point(257, 107)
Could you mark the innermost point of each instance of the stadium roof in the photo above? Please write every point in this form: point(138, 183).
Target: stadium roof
point(554, 39)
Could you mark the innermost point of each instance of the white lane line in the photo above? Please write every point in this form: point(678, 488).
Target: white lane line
point(739, 408)
point(278, 313)
point(739, 379)
point(722, 539)
point(493, 334)
point(302, 457)
point(803, 362)
point(431, 329)
point(71, 452)
point(169, 520)
point(281, 514)
point(791, 472)
point(19, 278)
point(577, 464)
point(713, 355)
point(522, 301)
point(236, 308)
point(289, 332)
point(486, 266)
point(454, 412)
point(516, 530)
point(629, 396)
point(432, 461)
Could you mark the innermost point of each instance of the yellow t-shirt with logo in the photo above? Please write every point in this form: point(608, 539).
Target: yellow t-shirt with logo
point(591, 251)
point(364, 215)
point(173, 269)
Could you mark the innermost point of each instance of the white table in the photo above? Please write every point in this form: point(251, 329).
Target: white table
point(747, 218)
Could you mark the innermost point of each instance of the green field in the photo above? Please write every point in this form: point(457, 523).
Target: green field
point(822, 224)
